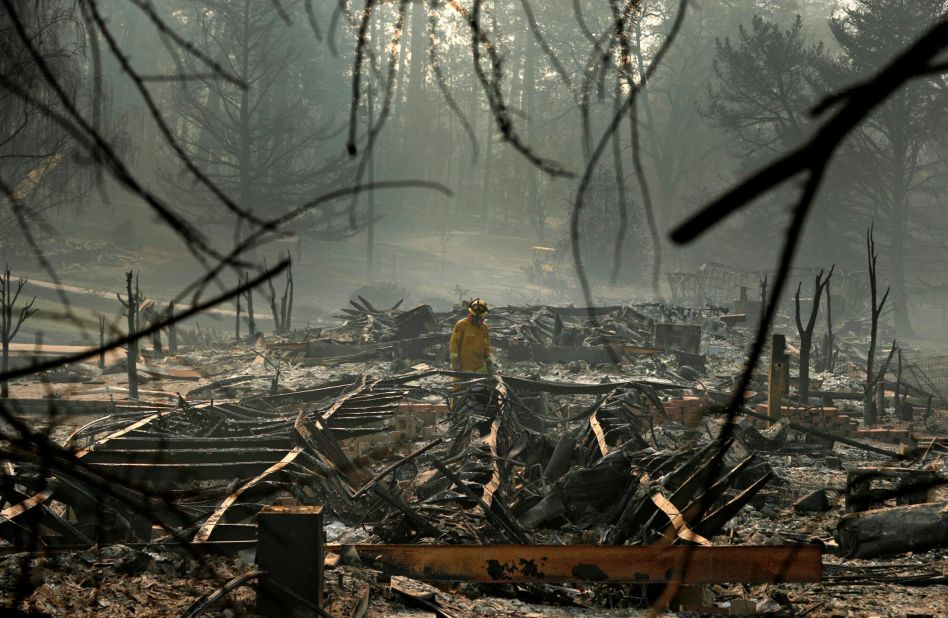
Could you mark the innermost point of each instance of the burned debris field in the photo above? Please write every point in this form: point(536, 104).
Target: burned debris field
point(473, 308)
point(546, 487)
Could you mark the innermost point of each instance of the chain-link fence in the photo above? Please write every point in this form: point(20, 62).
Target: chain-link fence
point(929, 374)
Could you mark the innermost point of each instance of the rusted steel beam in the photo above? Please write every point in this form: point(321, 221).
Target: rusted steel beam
point(504, 564)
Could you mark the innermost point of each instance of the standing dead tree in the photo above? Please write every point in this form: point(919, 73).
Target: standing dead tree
point(828, 352)
point(251, 325)
point(172, 331)
point(134, 298)
point(899, 400)
point(237, 319)
point(149, 311)
point(763, 297)
point(8, 326)
point(282, 318)
point(444, 241)
point(101, 342)
point(870, 412)
point(806, 333)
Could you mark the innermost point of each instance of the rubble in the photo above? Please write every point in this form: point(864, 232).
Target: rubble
point(815, 501)
point(592, 464)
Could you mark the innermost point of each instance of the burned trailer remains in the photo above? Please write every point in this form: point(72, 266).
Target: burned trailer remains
point(503, 462)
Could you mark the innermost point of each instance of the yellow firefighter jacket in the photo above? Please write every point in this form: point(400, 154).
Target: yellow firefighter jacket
point(470, 344)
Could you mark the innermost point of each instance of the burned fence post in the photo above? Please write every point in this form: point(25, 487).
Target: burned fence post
point(290, 550)
point(777, 383)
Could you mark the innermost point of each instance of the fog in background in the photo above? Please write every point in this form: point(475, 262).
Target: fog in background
point(735, 90)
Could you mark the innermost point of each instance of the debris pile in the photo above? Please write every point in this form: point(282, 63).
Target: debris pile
point(604, 434)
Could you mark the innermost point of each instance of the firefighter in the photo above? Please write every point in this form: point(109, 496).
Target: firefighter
point(470, 343)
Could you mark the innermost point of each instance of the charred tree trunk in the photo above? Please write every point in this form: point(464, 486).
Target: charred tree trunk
point(271, 297)
point(156, 340)
point(806, 332)
point(828, 361)
point(880, 399)
point(10, 326)
point(172, 332)
point(237, 319)
point(535, 207)
point(244, 161)
point(288, 297)
point(132, 356)
point(282, 315)
point(869, 411)
point(370, 197)
point(101, 342)
point(763, 299)
point(896, 530)
point(251, 325)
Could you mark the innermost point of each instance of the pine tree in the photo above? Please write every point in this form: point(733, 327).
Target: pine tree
point(891, 164)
